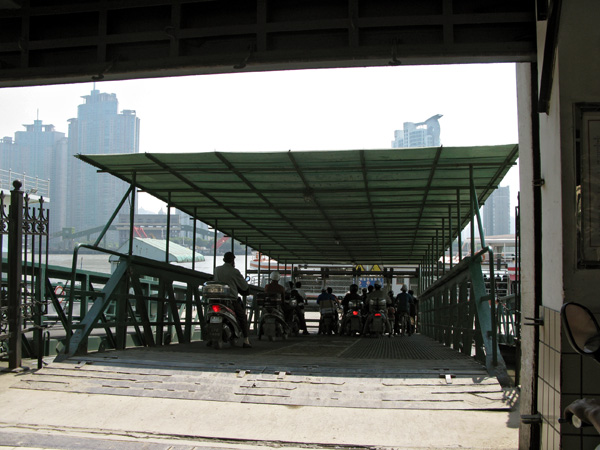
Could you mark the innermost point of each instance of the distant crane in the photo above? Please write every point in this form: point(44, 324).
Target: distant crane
point(221, 241)
point(139, 232)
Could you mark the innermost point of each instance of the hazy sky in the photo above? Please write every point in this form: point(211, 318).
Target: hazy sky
point(325, 109)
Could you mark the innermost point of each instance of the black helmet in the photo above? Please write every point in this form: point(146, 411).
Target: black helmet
point(353, 288)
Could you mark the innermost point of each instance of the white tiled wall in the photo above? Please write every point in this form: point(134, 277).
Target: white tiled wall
point(564, 376)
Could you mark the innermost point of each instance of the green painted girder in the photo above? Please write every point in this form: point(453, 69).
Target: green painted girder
point(94, 314)
point(493, 359)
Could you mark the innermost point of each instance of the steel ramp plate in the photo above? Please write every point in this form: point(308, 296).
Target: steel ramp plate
point(399, 373)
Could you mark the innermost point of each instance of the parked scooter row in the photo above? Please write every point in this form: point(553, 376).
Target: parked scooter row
point(277, 319)
point(282, 319)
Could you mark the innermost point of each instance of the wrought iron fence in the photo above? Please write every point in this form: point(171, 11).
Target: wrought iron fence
point(24, 224)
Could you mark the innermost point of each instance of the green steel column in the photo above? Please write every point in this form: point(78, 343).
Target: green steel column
point(194, 241)
point(426, 270)
point(215, 247)
point(444, 246)
point(450, 234)
point(131, 215)
point(114, 214)
point(437, 254)
point(168, 228)
point(472, 206)
point(246, 258)
point(259, 258)
point(476, 207)
point(458, 225)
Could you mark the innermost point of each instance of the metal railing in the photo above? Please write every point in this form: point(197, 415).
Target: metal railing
point(458, 311)
point(31, 185)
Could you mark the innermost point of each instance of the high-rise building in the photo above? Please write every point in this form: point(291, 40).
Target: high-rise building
point(496, 213)
point(421, 134)
point(40, 152)
point(98, 129)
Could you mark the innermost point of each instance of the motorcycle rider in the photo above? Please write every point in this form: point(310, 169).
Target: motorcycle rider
point(328, 301)
point(301, 301)
point(352, 296)
point(376, 294)
point(227, 273)
point(274, 288)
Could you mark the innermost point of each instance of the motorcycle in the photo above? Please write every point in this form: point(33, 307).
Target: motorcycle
point(272, 322)
point(377, 323)
point(291, 315)
point(353, 323)
point(222, 324)
point(329, 317)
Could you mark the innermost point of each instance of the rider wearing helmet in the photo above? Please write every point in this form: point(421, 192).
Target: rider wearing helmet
point(376, 294)
point(274, 288)
point(227, 273)
point(353, 295)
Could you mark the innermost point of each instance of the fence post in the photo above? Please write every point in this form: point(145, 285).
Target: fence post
point(14, 272)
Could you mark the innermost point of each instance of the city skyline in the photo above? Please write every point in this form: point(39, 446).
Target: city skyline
point(324, 109)
point(80, 198)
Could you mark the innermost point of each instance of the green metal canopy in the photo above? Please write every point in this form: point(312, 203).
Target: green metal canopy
point(350, 206)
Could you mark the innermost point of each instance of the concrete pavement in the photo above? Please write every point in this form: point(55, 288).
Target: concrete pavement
point(33, 418)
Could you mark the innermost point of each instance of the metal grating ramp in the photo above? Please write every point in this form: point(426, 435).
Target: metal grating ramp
point(401, 373)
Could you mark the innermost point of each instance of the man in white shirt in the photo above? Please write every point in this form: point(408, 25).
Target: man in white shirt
point(227, 273)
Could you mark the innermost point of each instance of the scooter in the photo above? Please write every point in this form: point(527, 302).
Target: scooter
point(583, 333)
point(377, 323)
point(222, 324)
point(272, 322)
point(291, 315)
point(352, 323)
point(329, 317)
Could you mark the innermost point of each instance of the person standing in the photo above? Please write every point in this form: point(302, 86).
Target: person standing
point(402, 322)
point(301, 298)
point(227, 273)
point(414, 311)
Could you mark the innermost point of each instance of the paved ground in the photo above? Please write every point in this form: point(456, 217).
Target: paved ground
point(308, 392)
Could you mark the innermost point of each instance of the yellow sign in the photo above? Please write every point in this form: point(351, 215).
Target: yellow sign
point(376, 268)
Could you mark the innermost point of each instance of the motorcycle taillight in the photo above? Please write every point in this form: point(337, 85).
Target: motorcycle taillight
point(216, 308)
point(377, 314)
point(355, 313)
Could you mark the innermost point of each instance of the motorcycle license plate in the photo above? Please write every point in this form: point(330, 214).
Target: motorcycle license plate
point(216, 319)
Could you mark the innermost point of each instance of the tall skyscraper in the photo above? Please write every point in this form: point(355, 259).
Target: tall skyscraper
point(98, 128)
point(496, 212)
point(40, 152)
point(421, 134)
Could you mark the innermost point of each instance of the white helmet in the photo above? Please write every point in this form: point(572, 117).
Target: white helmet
point(275, 276)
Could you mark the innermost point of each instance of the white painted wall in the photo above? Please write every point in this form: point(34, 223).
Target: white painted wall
point(579, 66)
point(527, 245)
